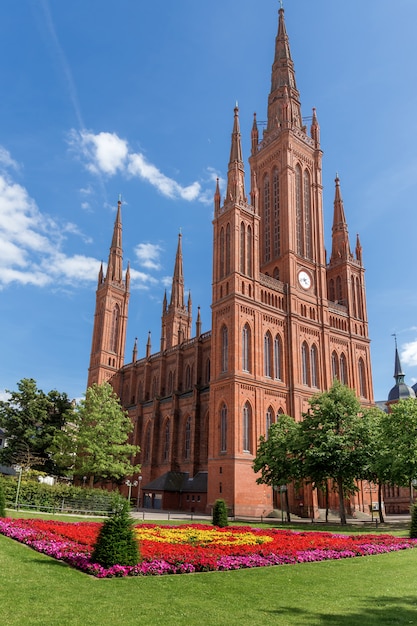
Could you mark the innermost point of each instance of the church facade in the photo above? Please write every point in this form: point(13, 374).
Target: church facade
point(286, 321)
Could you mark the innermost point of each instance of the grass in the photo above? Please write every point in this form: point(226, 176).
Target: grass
point(371, 591)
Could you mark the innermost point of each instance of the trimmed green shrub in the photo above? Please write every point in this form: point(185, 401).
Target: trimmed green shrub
point(60, 497)
point(116, 543)
point(220, 514)
point(413, 525)
point(2, 500)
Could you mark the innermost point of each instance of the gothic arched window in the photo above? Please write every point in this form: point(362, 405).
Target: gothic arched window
point(249, 252)
point(363, 388)
point(187, 440)
point(314, 366)
point(246, 352)
point(299, 212)
point(278, 358)
point(267, 355)
point(148, 443)
point(166, 441)
point(307, 215)
point(114, 330)
point(223, 428)
point(331, 290)
point(343, 369)
point(242, 249)
point(227, 249)
point(335, 366)
point(304, 365)
point(267, 218)
point(222, 253)
point(276, 211)
point(269, 420)
point(225, 349)
point(246, 427)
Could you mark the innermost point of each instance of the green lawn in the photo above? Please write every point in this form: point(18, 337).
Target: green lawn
point(371, 591)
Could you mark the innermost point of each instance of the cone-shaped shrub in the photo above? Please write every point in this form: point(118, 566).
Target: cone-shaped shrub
point(116, 543)
point(413, 526)
point(2, 501)
point(220, 514)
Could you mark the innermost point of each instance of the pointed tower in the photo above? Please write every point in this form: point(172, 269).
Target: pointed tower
point(400, 391)
point(233, 344)
point(110, 319)
point(176, 317)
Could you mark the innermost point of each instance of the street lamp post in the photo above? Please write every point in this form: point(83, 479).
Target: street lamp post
point(19, 469)
point(130, 485)
point(138, 498)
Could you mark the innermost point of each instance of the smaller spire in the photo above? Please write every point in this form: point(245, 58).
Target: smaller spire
point(217, 198)
point(135, 351)
point(236, 172)
point(315, 129)
point(148, 346)
point(100, 274)
point(198, 323)
point(358, 250)
point(340, 235)
point(177, 291)
point(254, 135)
point(398, 373)
point(127, 277)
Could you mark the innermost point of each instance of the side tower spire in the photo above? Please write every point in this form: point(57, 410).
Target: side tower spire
point(176, 317)
point(110, 318)
point(340, 235)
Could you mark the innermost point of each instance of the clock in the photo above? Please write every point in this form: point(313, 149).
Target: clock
point(304, 279)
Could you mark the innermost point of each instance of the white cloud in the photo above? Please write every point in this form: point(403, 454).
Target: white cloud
point(148, 255)
point(106, 153)
point(409, 353)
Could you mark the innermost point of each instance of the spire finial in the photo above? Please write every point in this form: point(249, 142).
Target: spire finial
point(281, 4)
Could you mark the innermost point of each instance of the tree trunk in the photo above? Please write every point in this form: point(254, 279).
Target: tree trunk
point(327, 501)
point(381, 514)
point(341, 501)
point(287, 506)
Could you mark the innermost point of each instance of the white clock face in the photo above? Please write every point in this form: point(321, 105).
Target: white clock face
point(304, 280)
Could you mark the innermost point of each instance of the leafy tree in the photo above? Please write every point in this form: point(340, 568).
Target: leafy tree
point(116, 543)
point(334, 440)
point(399, 432)
point(279, 458)
point(101, 434)
point(31, 419)
point(2, 500)
point(413, 525)
point(220, 514)
point(377, 453)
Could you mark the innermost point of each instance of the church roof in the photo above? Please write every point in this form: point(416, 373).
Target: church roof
point(179, 481)
point(400, 391)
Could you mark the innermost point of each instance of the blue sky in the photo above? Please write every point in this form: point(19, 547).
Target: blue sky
point(101, 98)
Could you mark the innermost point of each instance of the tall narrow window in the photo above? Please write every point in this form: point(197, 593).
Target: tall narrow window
point(166, 442)
point(267, 219)
point(223, 428)
point(114, 330)
point(148, 444)
point(362, 379)
point(246, 358)
point(304, 365)
point(269, 420)
point(277, 216)
point(249, 252)
point(343, 370)
point(278, 357)
point(242, 248)
point(299, 212)
point(354, 309)
point(307, 215)
point(170, 383)
point(331, 290)
point(339, 293)
point(314, 366)
point(267, 354)
point(227, 249)
point(359, 298)
point(246, 427)
point(187, 442)
point(207, 371)
point(222, 253)
point(225, 349)
point(188, 377)
point(335, 366)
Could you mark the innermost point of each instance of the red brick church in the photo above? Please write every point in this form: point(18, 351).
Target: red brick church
point(286, 321)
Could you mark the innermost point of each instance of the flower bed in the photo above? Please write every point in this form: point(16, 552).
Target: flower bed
point(196, 547)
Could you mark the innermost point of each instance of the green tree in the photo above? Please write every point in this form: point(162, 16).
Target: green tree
point(220, 518)
point(399, 431)
point(101, 434)
point(334, 439)
point(31, 419)
point(116, 543)
point(377, 452)
point(279, 457)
